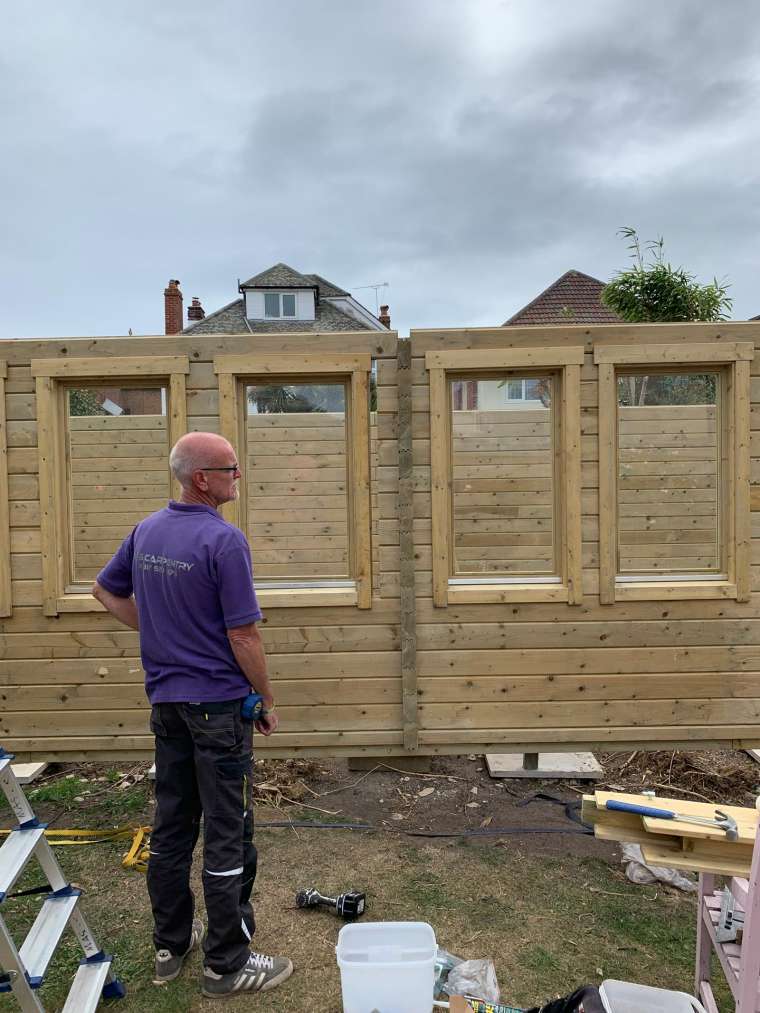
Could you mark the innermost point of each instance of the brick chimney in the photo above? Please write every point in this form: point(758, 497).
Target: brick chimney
point(195, 311)
point(173, 308)
point(385, 317)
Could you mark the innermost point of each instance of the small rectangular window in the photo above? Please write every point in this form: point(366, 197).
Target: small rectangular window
point(271, 304)
point(505, 475)
point(117, 470)
point(300, 425)
point(674, 468)
point(669, 474)
point(503, 483)
point(288, 304)
point(297, 466)
point(104, 428)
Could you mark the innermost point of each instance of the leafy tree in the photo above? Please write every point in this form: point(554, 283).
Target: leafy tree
point(653, 291)
point(84, 401)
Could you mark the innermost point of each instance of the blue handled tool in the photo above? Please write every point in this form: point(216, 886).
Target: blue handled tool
point(721, 821)
point(253, 707)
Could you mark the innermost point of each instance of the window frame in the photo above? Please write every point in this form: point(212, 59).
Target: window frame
point(234, 374)
point(527, 401)
point(6, 600)
point(565, 363)
point(732, 359)
point(280, 315)
point(52, 379)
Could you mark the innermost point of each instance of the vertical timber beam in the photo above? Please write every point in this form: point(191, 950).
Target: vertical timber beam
point(571, 445)
point(408, 619)
point(359, 500)
point(607, 482)
point(5, 531)
point(741, 453)
point(177, 422)
point(236, 511)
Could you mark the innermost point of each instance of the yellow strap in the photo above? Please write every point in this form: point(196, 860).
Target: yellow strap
point(139, 853)
point(136, 858)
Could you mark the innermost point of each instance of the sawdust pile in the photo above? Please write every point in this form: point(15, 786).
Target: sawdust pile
point(727, 776)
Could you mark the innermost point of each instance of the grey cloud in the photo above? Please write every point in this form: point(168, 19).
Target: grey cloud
point(466, 152)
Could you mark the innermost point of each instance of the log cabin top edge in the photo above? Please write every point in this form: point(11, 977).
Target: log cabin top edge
point(200, 347)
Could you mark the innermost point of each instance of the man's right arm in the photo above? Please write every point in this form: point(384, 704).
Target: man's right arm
point(248, 649)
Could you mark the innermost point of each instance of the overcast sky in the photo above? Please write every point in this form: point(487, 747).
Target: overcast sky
point(467, 152)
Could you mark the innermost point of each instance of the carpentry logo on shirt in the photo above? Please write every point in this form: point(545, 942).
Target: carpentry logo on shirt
point(162, 564)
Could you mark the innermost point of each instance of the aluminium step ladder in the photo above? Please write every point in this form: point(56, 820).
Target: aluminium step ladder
point(22, 970)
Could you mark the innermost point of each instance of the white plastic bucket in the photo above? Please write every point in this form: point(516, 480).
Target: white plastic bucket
point(387, 966)
point(626, 997)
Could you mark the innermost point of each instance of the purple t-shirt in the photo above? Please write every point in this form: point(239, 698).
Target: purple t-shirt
point(192, 579)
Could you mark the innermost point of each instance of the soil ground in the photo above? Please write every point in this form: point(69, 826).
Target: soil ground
point(515, 879)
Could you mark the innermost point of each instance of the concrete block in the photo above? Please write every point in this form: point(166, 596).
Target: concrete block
point(571, 766)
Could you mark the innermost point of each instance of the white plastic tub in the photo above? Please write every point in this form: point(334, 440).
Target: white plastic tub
point(626, 997)
point(387, 966)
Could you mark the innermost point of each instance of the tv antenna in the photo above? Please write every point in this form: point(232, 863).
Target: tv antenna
point(380, 284)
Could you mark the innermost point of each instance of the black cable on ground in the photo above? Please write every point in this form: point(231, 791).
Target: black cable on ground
point(484, 832)
point(572, 809)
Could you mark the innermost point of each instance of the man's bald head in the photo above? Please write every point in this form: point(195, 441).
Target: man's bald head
point(196, 451)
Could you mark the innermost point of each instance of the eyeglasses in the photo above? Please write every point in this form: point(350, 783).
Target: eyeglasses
point(232, 468)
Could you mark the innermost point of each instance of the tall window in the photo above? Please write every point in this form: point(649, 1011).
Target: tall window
point(670, 475)
point(504, 482)
point(297, 482)
point(505, 475)
point(674, 471)
point(117, 471)
point(105, 428)
point(300, 425)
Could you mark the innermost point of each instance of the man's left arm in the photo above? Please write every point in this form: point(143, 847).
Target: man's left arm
point(124, 609)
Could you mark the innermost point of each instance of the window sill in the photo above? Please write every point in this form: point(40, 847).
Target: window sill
point(483, 594)
point(306, 597)
point(78, 603)
point(677, 591)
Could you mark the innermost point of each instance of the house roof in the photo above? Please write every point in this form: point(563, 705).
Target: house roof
point(280, 276)
point(230, 319)
point(574, 298)
point(326, 288)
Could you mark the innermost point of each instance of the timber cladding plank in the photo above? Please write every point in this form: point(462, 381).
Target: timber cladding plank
point(299, 693)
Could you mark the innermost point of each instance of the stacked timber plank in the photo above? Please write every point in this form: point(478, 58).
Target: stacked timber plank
point(672, 842)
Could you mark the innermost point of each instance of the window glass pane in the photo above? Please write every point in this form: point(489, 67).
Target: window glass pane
point(297, 473)
point(668, 473)
point(502, 499)
point(288, 304)
point(271, 304)
point(533, 390)
point(118, 468)
point(514, 390)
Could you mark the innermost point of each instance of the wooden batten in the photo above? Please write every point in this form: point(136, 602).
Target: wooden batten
point(372, 531)
point(5, 534)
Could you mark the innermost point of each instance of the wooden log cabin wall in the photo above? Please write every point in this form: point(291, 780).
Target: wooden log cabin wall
point(536, 539)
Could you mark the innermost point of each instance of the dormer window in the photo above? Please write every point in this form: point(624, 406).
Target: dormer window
point(279, 304)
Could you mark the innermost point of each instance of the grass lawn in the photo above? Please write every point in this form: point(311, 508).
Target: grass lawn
point(550, 922)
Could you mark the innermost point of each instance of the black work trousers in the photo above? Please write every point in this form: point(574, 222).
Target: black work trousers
point(203, 766)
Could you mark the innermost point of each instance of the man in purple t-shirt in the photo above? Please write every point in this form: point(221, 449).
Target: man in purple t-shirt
point(183, 578)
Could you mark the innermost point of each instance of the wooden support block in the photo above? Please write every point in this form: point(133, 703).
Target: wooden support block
point(27, 772)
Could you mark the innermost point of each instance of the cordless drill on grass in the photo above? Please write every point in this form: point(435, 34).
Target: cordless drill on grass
point(348, 905)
